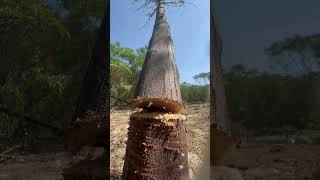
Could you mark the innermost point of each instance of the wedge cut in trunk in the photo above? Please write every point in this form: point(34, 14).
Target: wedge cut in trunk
point(158, 85)
point(220, 132)
point(157, 148)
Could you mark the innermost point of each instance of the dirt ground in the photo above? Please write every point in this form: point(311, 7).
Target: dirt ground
point(276, 161)
point(255, 161)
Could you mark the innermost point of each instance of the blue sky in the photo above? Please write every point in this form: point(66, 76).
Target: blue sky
point(248, 27)
point(190, 31)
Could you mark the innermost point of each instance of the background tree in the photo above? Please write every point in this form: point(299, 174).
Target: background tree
point(202, 78)
point(297, 54)
point(126, 65)
point(44, 54)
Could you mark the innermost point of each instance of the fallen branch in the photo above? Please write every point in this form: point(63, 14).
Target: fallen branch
point(8, 157)
point(10, 149)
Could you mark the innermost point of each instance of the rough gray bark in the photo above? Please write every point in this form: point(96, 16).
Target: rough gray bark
point(220, 132)
point(159, 76)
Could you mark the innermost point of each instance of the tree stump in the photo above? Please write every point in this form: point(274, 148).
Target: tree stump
point(156, 147)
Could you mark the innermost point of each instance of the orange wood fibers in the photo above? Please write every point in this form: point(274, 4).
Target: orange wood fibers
point(161, 104)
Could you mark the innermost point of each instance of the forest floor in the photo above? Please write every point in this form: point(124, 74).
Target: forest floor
point(263, 161)
point(276, 161)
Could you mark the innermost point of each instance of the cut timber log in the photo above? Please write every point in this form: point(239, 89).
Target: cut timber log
point(159, 75)
point(220, 132)
point(156, 147)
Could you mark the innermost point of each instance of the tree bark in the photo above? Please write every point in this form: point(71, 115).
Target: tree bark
point(156, 148)
point(220, 131)
point(93, 103)
point(94, 95)
point(159, 78)
point(90, 125)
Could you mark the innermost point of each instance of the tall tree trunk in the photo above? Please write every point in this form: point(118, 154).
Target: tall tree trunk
point(156, 146)
point(159, 70)
point(95, 89)
point(220, 131)
point(90, 125)
point(93, 104)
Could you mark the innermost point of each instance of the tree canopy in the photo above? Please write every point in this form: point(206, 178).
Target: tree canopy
point(43, 60)
point(299, 53)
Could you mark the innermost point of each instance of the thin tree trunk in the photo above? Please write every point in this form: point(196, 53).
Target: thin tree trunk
point(220, 131)
point(157, 147)
point(159, 76)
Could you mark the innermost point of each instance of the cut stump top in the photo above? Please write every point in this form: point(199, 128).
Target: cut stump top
point(159, 103)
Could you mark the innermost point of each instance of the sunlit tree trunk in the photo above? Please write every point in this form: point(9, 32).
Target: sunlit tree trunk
point(156, 146)
point(159, 76)
point(220, 133)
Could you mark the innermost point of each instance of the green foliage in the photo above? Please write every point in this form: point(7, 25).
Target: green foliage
point(192, 93)
point(202, 78)
point(262, 102)
point(298, 52)
point(43, 61)
point(89, 7)
point(125, 67)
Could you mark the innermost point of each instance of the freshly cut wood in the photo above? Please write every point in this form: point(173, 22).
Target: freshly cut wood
point(159, 76)
point(157, 104)
point(220, 132)
point(156, 147)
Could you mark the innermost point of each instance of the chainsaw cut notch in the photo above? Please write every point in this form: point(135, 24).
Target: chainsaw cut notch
point(157, 104)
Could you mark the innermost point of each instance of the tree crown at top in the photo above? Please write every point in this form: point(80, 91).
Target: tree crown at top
point(151, 5)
